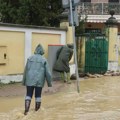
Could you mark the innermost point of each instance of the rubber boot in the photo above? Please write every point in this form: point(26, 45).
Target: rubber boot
point(68, 78)
point(27, 106)
point(37, 106)
point(63, 76)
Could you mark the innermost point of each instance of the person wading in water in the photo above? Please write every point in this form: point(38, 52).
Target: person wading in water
point(35, 73)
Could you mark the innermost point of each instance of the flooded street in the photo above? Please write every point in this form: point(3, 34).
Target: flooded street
point(99, 99)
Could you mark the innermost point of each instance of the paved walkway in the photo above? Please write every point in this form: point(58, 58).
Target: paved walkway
point(17, 89)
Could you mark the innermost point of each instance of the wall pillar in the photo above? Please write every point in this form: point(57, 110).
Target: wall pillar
point(81, 53)
point(69, 37)
point(112, 33)
point(64, 23)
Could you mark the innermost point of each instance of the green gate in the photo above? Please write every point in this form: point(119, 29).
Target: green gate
point(96, 55)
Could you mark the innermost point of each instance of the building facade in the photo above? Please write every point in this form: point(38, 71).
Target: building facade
point(97, 12)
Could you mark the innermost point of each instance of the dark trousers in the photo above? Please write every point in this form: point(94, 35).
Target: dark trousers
point(31, 89)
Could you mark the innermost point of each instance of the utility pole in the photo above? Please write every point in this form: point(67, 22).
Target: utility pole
point(73, 20)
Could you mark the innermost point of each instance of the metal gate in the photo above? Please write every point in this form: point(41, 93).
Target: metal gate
point(96, 54)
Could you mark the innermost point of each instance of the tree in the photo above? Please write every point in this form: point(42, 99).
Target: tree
point(55, 11)
point(31, 12)
point(8, 10)
point(81, 28)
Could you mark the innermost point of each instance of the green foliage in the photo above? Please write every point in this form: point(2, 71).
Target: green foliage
point(30, 12)
point(81, 28)
point(8, 11)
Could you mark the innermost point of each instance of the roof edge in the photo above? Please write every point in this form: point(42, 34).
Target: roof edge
point(32, 26)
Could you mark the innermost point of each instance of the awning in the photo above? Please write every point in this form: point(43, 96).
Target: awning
point(99, 18)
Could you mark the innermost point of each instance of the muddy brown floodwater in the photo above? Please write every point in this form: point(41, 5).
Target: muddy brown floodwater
point(99, 99)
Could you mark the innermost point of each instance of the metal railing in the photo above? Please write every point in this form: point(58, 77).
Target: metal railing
point(98, 8)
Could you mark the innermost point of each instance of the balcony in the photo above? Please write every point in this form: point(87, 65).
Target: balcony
point(98, 12)
point(98, 8)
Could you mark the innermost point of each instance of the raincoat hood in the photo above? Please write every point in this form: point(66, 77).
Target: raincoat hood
point(39, 50)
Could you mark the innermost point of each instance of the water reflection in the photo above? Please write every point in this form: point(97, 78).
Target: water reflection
point(98, 100)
